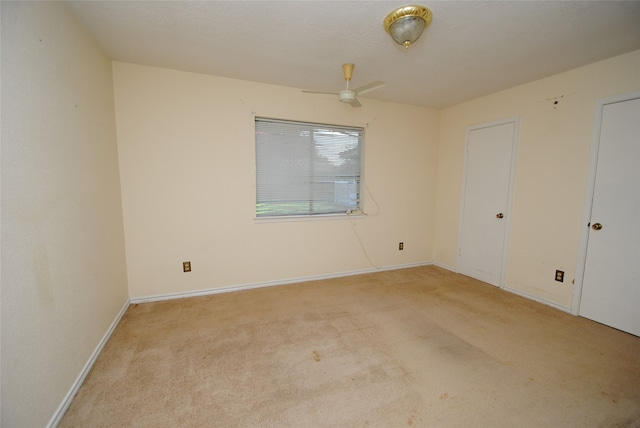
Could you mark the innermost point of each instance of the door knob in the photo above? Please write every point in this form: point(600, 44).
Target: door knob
point(499, 215)
point(596, 226)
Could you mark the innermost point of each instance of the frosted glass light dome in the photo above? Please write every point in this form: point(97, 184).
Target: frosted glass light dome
point(405, 24)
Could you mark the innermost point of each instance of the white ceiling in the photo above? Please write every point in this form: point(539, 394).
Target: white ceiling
point(472, 48)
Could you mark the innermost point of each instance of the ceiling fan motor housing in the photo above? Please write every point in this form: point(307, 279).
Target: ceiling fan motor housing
point(347, 96)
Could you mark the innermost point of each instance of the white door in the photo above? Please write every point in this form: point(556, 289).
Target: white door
point(611, 282)
point(490, 156)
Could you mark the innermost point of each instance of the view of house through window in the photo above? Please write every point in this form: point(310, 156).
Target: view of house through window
point(306, 168)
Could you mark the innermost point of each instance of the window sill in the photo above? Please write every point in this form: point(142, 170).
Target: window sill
point(317, 217)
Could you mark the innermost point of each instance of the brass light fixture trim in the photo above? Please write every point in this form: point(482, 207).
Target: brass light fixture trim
point(405, 24)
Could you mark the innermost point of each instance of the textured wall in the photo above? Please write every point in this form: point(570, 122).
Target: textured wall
point(63, 263)
point(187, 160)
point(556, 119)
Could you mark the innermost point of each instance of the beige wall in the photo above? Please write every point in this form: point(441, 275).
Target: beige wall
point(63, 262)
point(187, 163)
point(550, 176)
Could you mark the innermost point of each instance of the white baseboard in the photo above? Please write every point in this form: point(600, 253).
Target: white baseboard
point(443, 266)
point(206, 292)
point(518, 292)
point(537, 299)
point(59, 413)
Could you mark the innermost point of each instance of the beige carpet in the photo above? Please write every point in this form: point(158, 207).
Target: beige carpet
point(418, 347)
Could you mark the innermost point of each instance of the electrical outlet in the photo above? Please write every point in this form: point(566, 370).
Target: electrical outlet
point(560, 275)
point(186, 266)
point(401, 246)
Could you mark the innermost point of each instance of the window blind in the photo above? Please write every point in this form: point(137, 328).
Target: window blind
point(306, 168)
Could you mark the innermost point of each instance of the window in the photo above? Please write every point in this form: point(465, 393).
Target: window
point(306, 169)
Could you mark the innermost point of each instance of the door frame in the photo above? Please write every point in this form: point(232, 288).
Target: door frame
point(590, 188)
point(514, 155)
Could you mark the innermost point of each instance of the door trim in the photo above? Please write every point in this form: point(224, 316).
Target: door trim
point(514, 154)
point(590, 188)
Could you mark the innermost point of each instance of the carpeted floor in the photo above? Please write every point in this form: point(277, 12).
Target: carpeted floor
point(419, 347)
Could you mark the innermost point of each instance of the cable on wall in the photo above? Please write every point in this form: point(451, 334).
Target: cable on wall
point(355, 231)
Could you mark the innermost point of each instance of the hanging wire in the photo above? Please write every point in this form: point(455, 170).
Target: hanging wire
point(355, 231)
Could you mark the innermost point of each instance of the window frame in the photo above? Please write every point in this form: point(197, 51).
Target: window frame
point(349, 213)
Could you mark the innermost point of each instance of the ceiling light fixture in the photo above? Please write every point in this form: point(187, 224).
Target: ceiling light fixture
point(405, 24)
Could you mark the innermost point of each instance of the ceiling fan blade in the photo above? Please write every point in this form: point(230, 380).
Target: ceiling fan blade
point(320, 92)
point(369, 87)
point(355, 103)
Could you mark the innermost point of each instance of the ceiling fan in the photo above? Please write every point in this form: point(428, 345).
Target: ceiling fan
point(350, 95)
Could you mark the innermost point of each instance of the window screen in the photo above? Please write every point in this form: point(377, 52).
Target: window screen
point(306, 168)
